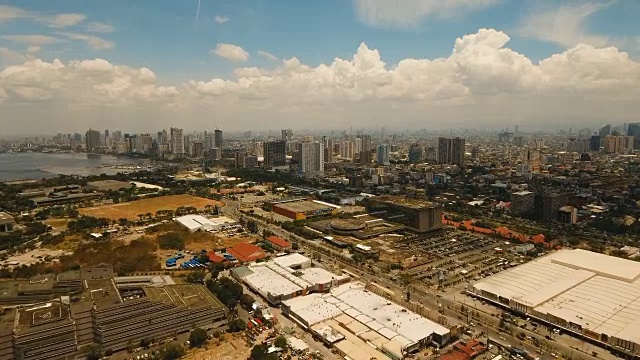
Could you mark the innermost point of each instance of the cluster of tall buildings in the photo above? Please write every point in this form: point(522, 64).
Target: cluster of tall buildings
point(166, 144)
point(622, 140)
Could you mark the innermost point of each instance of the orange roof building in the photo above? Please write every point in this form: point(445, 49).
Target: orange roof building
point(278, 243)
point(246, 252)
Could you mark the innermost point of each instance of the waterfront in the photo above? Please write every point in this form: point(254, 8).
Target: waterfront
point(33, 165)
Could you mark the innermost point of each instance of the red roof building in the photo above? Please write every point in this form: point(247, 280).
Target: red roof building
point(214, 258)
point(278, 243)
point(246, 252)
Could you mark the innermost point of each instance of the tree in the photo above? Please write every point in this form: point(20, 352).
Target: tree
point(123, 222)
point(295, 246)
point(95, 352)
point(145, 342)
point(237, 325)
point(196, 277)
point(198, 337)
point(246, 301)
point(280, 342)
point(171, 352)
point(171, 240)
point(261, 352)
point(359, 258)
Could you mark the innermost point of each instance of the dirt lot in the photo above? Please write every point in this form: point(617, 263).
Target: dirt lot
point(58, 225)
point(229, 348)
point(31, 257)
point(196, 241)
point(130, 210)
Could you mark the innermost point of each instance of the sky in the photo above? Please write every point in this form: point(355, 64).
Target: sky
point(140, 66)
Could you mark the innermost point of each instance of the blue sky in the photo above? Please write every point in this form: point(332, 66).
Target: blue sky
point(163, 34)
point(140, 65)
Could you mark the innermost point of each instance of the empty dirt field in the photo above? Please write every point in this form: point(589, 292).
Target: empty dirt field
point(131, 209)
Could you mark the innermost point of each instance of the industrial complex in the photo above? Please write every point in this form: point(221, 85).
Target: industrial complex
point(286, 277)
point(587, 293)
point(351, 315)
point(59, 316)
point(344, 315)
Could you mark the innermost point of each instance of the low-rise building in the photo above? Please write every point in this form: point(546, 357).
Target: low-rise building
point(245, 252)
point(278, 243)
point(6, 222)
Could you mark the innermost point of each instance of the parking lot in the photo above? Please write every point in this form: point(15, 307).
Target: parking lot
point(454, 258)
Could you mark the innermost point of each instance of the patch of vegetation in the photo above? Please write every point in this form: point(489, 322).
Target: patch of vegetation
point(226, 290)
point(171, 240)
point(87, 223)
point(135, 257)
point(198, 337)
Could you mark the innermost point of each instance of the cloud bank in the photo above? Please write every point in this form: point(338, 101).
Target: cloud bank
point(482, 83)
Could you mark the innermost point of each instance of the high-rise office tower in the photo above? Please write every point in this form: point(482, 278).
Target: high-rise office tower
point(415, 153)
point(92, 140)
point(145, 141)
point(275, 153)
point(605, 131)
point(382, 153)
point(287, 134)
point(209, 141)
point(451, 151)
point(218, 138)
point(633, 129)
point(365, 149)
point(177, 141)
point(311, 161)
point(328, 149)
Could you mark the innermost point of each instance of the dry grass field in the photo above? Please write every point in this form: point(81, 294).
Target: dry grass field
point(131, 209)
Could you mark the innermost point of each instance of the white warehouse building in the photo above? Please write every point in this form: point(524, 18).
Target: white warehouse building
point(200, 223)
point(589, 293)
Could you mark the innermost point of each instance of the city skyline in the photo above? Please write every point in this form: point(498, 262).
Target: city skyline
point(277, 65)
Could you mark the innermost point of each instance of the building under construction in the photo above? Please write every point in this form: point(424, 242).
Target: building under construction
point(59, 316)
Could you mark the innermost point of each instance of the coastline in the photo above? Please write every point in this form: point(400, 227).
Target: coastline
point(26, 166)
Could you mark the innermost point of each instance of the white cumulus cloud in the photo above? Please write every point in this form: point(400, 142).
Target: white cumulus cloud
point(231, 52)
point(221, 19)
point(399, 13)
point(482, 83)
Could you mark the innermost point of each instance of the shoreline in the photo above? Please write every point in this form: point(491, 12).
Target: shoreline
point(29, 167)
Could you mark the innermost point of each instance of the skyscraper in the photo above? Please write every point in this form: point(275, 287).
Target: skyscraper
point(92, 140)
point(311, 161)
point(287, 134)
point(451, 151)
point(633, 129)
point(218, 138)
point(365, 149)
point(383, 154)
point(415, 153)
point(328, 149)
point(605, 131)
point(275, 153)
point(177, 141)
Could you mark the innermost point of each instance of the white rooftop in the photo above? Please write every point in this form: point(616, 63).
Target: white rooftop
point(600, 293)
point(293, 259)
point(388, 319)
point(609, 266)
point(267, 281)
point(195, 222)
point(320, 276)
